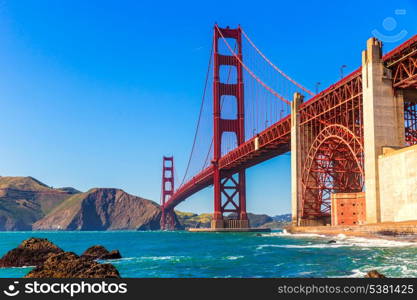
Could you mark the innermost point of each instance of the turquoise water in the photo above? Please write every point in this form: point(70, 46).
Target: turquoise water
point(276, 254)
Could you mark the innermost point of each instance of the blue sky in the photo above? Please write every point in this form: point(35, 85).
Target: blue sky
point(94, 93)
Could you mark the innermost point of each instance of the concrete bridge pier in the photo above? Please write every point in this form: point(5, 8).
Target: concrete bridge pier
point(383, 122)
point(295, 159)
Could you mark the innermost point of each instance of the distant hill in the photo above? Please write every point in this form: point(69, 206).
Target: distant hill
point(28, 204)
point(279, 221)
point(103, 209)
point(24, 200)
point(192, 220)
point(282, 218)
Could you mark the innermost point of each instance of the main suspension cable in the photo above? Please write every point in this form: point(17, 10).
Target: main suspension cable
point(199, 116)
point(275, 67)
point(250, 72)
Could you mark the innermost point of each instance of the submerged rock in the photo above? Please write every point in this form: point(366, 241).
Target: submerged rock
point(70, 265)
point(99, 252)
point(374, 274)
point(31, 252)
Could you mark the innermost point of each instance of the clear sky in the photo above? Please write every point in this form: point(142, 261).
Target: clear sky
point(94, 93)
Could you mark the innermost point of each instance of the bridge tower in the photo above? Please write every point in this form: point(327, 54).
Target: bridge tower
point(167, 216)
point(229, 189)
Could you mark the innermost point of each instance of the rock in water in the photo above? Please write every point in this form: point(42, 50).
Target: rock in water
point(331, 242)
point(70, 265)
point(374, 274)
point(103, 209)
point(31, 252)
point(99, 252)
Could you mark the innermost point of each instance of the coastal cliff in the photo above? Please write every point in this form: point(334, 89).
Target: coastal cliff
point(102, 209)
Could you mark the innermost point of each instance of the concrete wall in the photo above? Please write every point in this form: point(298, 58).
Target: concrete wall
point(322, 221)
point(398, 184)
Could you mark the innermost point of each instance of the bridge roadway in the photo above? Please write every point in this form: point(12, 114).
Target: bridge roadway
point(276, 139)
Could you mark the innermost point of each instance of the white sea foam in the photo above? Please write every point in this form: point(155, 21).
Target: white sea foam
point(341, 241)
point(305, 273)
point(24, 267)
point(174, 258)
point(356, 273)
point(396, 270)
point(286, 233)
point(381, 243)
point(118, 259)
point(341, 236)
point(260, 247)
point(233, 257)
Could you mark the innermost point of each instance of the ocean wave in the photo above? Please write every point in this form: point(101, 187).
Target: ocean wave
point(117, 259)
point(356, 273)
point(156, 258)
point(319, 246)
point(342, 241)
point(346, 242)
point(24, 267)
point(286, 233)
point(394, 270)
point(379, 243)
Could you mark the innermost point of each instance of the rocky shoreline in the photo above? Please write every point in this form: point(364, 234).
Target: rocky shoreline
point(50, 261)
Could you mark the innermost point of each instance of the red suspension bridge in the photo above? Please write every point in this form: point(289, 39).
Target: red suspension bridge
point(251, 109)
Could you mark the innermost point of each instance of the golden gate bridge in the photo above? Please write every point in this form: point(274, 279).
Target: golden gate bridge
point(252, 111)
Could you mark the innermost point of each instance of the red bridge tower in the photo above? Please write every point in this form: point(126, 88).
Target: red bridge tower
point(167, 216)
point(229, 188)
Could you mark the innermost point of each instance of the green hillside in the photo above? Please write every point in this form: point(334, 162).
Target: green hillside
point(24, 200)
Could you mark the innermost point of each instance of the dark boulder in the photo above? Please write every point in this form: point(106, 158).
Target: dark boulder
point(70, 265)
point(31, 252)
point(99, 252)
point(331, 242)
point(374, 274)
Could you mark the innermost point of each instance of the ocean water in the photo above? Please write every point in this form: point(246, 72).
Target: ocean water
point(275, 254)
